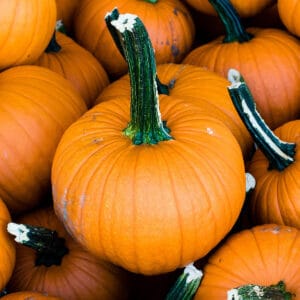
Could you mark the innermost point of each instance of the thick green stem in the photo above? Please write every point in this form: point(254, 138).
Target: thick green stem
point(146, 125)
point(234, 29)
point(186, 285)
point(256, 292)
point(49, 247)
point(279, 153)
point(53, 46)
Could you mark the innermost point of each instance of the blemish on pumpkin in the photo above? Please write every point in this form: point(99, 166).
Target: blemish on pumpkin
point(175, 11)
point(82, 199)
point(209, 131)
point(97, 140)
point(175, 51)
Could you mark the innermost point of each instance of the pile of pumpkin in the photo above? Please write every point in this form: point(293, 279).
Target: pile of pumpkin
point(149, 149)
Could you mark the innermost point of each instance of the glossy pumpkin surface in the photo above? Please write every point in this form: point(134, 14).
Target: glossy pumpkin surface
point(36, 107)
point(289, 12)
point(79, 275)
point(168, 22)
point(26, 29)
point(262, 255)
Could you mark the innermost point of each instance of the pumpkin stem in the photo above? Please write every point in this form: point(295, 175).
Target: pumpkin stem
point(162, 88)
point(235, 31)
point(256, 292)
point(49, 247)
point(279, 153)
point(53, 45)
point(186, 285)
point(146, 125)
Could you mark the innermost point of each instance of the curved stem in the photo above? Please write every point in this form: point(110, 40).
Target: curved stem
point(49, 247)
point(53, 46)
point(256, 292)
point(146, 125)
point(186, 285)
point(279, 153)
point(235, 31)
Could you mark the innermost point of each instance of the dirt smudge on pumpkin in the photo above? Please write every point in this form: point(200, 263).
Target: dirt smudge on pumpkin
point(175, 50)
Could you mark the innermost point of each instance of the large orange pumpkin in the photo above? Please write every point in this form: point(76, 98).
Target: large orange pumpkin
point(274, 163)
point(272, 75)
point(50, 261)
point(28, 295)
point(8, 249)
point(26, 29)
point(36, 107)
point(147, 197)
point(254, 259)
point(64, 56)
point(168, 22)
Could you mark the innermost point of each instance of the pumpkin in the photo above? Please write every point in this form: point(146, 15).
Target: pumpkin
point(273, 76)
point(263, 259)
point(145, 197)
point(26, 29)
point(50, 261)
point(64, 56)
point(65, 12)
point(36, 107)
point(26, 295)
point(245, 9)
point(274, 163)
point(168, 22)
point(8, 250)
point(289, 13)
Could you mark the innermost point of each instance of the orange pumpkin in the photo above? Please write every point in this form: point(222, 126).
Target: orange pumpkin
point(26, 29)
point(289, 13)
point(163, 187)
point(64, 56)
point(168, 23)
point(8, 250)
point(28, 295)
point(273, 76)
point(274, 163)
point(254, 259)
point(55, 264)
point(36, 107)
point(245, 8)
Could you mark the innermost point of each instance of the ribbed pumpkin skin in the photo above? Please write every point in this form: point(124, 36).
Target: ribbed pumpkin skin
point(196, 85)
point(276, 195)
point(289, 12)
point(168, 22)
point(272, 76)
point(80, 275)
point(36, 106)
point(262, 255)
point(27, 295)
point(8, 249)
point(26, 29)
point(148, 208)
point(248, 8)
point(77, 65)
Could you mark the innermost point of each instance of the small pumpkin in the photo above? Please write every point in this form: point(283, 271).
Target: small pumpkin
point(273, 76)
point(168, 22)
point(263, 259)
point(26, 29)
point(289, 13)
point(274, 164)
point(50, 261)
point(66, 57)
point(8, 249)
point(36, 107)
point(161, 180)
